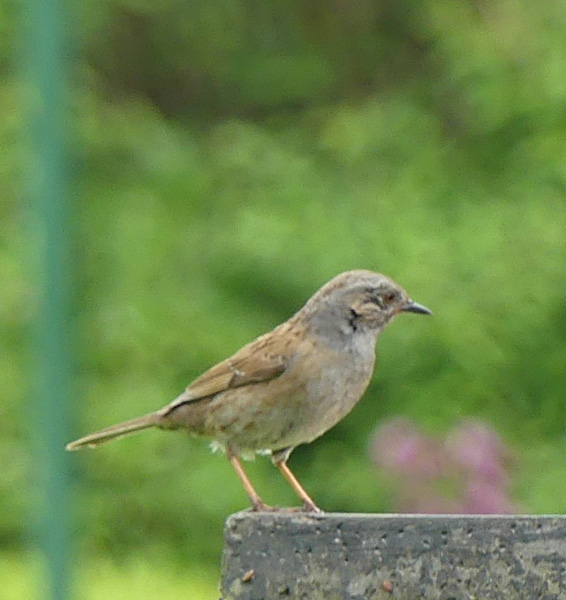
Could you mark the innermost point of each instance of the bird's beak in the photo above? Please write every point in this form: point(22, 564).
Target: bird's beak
point(415, 307)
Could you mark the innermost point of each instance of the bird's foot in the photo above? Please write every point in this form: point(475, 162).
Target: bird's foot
point(311, 507)
point(306, 508)
point(261, 506)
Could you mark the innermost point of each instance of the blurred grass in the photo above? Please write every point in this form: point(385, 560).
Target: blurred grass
point(98, 578)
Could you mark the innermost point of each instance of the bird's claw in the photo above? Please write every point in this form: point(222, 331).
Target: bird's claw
point(311, 507)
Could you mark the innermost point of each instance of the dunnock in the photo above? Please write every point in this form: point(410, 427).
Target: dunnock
point(288, 386)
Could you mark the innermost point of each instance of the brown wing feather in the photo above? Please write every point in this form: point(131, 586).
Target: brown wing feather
point(263, 359)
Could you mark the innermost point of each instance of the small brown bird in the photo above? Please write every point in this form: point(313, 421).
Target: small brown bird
point(289, 386)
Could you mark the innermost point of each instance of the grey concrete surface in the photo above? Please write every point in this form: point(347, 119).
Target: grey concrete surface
point(290, 555)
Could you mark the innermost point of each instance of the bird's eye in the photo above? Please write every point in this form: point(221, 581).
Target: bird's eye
point(388, 297)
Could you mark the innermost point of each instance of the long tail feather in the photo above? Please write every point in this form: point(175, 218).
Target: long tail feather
point(114, 431)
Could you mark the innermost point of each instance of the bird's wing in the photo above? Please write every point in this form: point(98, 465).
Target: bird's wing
point(263, 359)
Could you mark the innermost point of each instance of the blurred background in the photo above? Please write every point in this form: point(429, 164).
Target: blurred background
point(228, 157)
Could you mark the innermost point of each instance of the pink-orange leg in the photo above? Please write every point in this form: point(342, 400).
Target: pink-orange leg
point(257, 502)
point(307, 500)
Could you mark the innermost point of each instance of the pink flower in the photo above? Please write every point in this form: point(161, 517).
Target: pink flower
point(400, 446)
point(477, 448)
point(483, 498)
point(464, 473)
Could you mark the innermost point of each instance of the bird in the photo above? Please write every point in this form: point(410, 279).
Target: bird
point(288, 386)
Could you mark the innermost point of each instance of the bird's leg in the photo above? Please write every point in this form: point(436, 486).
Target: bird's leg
point(257, 502)
point(281, 464)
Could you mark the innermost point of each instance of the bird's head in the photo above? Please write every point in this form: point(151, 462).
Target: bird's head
point(360, 301)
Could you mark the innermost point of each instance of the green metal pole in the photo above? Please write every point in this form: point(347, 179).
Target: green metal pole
point(50, 202)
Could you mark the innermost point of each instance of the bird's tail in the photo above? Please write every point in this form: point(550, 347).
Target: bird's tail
point(115, 431)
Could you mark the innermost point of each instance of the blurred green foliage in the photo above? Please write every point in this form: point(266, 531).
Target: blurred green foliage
point(229, 158)
point(99, 578)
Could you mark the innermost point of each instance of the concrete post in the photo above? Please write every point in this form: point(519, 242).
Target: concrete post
point(292, 555)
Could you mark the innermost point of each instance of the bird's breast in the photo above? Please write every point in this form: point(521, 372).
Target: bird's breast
point(341, 382)
point(320, 387)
